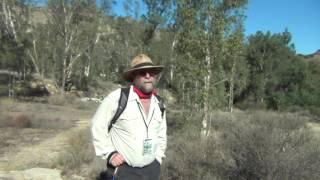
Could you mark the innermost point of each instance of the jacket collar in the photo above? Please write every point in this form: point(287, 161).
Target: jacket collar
point(133, 96)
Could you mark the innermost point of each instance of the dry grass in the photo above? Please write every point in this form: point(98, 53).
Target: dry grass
point(269, 146)
point(42, 115)
point(25, 124)
point(79, 157)
point(241, 145)
point(245, 145)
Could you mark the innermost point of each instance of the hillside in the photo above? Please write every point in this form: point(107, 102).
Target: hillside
point(312, 55)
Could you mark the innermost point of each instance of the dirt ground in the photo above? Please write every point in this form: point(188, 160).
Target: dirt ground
point(13, 138)
point(39, 144)
point(315, 127)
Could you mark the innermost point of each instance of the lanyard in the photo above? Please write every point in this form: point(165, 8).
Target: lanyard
point(144, 120)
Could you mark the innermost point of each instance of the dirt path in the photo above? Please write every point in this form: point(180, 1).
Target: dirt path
point(315, 127)
point(43, 153)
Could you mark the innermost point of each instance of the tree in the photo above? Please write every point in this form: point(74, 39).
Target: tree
point(310, 93)
point(158, 15)
point(204, 29)
point(75, 25)
point(236, 66)
point(274, 67)
point(14, 24)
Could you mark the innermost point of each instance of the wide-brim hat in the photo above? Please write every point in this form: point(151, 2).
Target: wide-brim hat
point(140, 62)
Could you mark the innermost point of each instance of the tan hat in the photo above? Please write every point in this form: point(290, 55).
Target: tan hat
point(139, 62)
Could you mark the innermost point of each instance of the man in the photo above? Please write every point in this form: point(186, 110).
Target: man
point(136, 142)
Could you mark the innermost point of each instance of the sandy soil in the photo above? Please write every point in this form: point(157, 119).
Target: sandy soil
point(315, 127)
point(35, 146)
point(39, 146)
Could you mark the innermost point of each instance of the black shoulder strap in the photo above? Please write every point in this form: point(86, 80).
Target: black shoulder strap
point(123, 103)
point(161, 105)
point(121, 106)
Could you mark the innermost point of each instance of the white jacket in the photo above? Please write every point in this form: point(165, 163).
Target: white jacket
point(127, 135)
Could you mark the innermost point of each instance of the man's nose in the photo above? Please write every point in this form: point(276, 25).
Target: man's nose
point(147, 75)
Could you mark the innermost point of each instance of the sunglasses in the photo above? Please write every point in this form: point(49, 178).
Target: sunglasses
point(144, 72)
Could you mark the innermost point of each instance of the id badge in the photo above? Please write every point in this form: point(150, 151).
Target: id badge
point(147, 146)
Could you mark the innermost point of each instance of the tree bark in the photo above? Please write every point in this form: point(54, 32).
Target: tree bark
point(231, 87)
point(34, 59)
point(205, 131)
point(174, 42)
point(10, 27)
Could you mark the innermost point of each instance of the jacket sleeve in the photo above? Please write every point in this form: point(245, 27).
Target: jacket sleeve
point(162, 137)
point(99, 128)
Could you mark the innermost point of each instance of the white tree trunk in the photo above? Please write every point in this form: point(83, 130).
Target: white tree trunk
point(10, 27)
point(174, 42)
point(34, 58)
point(205, 130)
point(231, 87)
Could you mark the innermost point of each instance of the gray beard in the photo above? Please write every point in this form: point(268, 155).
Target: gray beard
point(146, 89)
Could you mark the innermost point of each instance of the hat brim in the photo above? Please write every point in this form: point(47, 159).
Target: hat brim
point(128, 74)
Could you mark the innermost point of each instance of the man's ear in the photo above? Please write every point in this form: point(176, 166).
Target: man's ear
point(134, 74)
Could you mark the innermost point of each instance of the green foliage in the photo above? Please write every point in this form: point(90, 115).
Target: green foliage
point(210, 47)
point(158, 15)
point(276, 73)
point(310, 93)
point(14, 17)
point(201, 43)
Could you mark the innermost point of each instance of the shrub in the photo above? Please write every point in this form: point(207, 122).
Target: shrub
point(315, 111)
point(47, 122)
point(7, 104)
point(15, 120)
point(241, 145)
point(189, 156)
point(4, 90)
point(269, 146)
point(5, 120)
point(61, 100)
point(28, 120)
point(79, 156)
point(77, 151)
point(244, 145)
point(21, 121)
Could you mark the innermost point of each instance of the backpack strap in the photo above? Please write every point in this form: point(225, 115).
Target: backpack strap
point(161, 105)
point(121, 105)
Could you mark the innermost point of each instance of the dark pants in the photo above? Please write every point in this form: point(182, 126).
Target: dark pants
point(126, 172)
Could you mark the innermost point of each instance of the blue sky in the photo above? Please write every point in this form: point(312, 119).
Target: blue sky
point(301, 17)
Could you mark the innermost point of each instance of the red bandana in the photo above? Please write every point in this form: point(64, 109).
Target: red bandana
point(143, 95)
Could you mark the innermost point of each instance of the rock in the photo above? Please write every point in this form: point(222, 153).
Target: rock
point(42, 173)
point(76, 177)
point(51, 87)
point(13, 175)
point(86, 99)
point(32, 174)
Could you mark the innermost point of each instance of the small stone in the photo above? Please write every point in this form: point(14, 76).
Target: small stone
point(42, 173)
point(76, 177)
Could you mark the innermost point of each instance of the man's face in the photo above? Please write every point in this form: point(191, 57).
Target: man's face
point(145, 80)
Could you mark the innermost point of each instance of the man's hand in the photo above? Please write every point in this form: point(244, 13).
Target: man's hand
point(117, 159)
